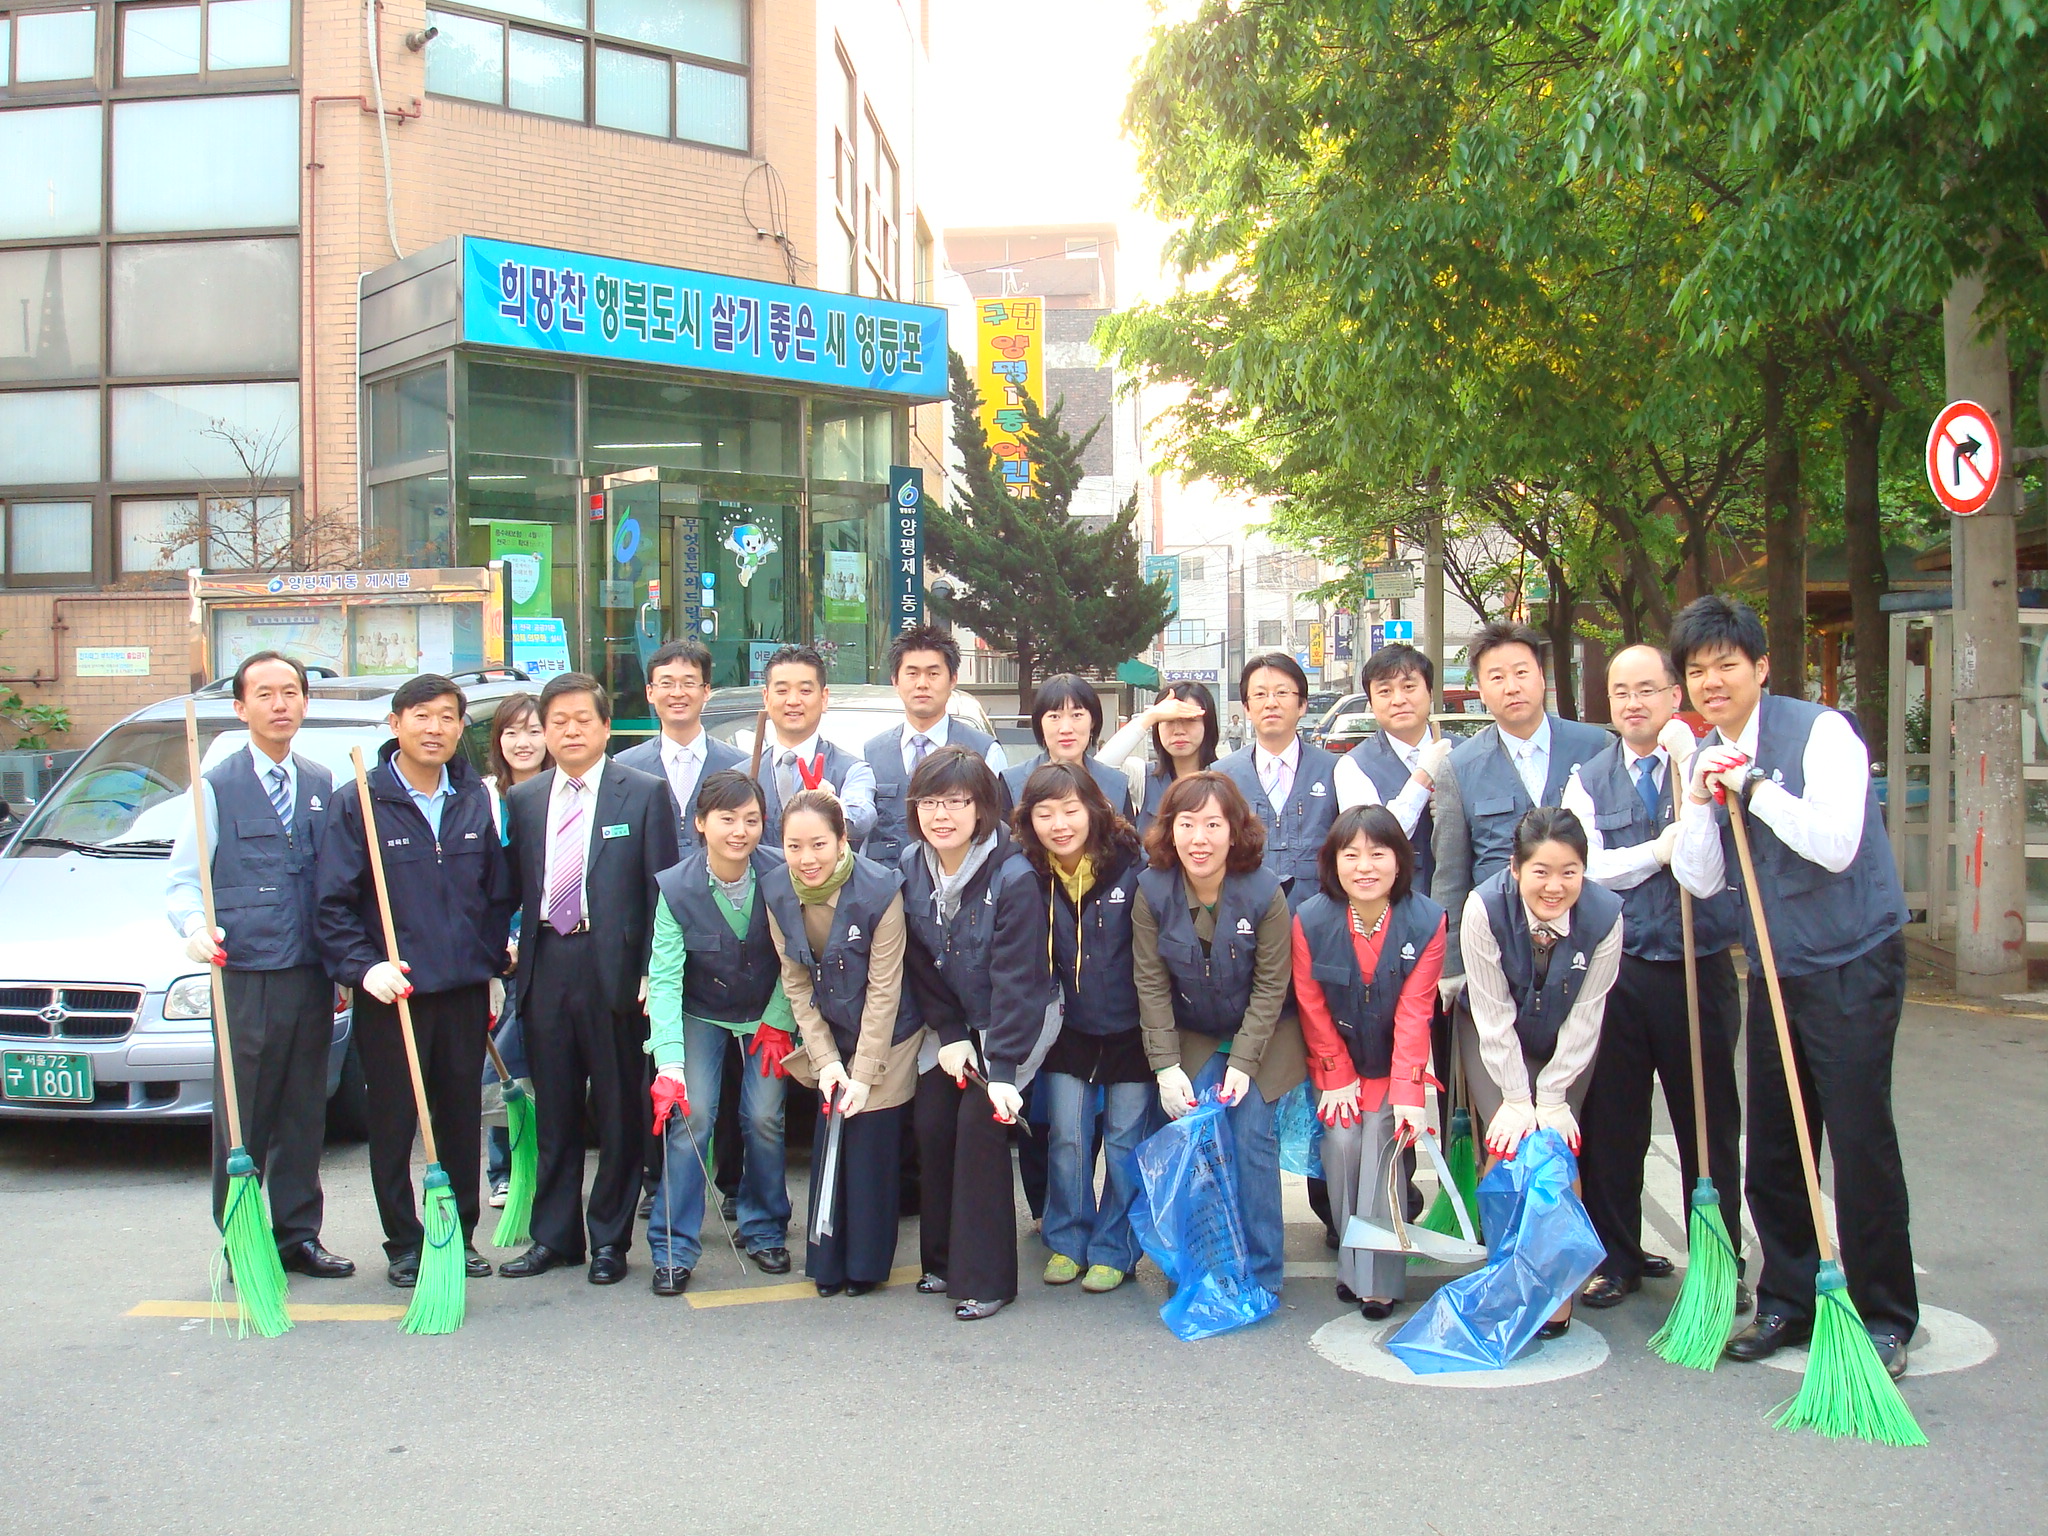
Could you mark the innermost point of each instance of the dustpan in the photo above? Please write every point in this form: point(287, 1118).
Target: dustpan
point(1407, 1238)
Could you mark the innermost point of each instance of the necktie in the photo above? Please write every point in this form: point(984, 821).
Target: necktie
point(565, 891)
point(919, 745)
point(1278, 781)
point(683, 778)
point(281, 797)
point(1646, 787)
point(785, 776)
point(1541, 938)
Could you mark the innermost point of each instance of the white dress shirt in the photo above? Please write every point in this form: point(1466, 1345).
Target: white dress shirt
point(558, 805)
point(1279, 786)
point(1531, 759)
point(683, 763)
point(1493, 1009)
point(182, 900)
point(938, 735)
point(1355, 785)
point(1823, 826)
point(1619, 869)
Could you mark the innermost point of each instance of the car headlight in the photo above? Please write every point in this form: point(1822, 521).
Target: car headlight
point(189, 997)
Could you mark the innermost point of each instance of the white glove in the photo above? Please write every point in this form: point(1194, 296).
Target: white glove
point(1176, 1093)
point(497, 995)
point(1679, 744)
point(1724, 766)
point(202, 948)
point(955, 1059)
point(1236, 1084)
point(832, 1081)
point(386, 982)
point(1559, 1118)
point(1410, 1118)
point(1430, 763)
point(1339, 1106)
point(853, 1098)
point(1666, 843)
point(1511, 1122)
point(1448, 988)
point(1006, 1101)
point(643, 989)
point(673, 1074)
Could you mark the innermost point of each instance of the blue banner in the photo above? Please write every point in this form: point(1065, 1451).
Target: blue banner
point(906, 528)
point(542, 300)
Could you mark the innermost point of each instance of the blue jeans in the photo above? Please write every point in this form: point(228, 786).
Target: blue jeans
point(678, 1215)
point(511, 1043)
point(1075, 1225)
point(1257, 1151)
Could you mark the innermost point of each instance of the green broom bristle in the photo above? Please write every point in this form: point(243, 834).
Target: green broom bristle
point(515, 1223)
point(1846, 1391)
point(438, 1300)
point(251, 1249)
point(1462, 1157)
point(1697, 1329)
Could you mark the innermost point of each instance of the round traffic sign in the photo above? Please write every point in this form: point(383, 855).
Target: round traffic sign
point(1964, 457)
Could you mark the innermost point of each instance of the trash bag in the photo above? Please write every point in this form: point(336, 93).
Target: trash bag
point(1543, 1248)
point(1185, 1215)
point(1299, 1132)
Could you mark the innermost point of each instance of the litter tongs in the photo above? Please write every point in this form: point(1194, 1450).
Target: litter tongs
point(974, 1076)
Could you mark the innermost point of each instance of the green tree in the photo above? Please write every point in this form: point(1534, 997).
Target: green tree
point(1036, 581)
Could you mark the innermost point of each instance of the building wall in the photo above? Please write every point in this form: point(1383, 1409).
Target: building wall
point(39, 628)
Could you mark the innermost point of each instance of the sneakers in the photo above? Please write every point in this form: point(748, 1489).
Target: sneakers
point(499, 1189)
point(1061, 1270)
point(1101, 1277)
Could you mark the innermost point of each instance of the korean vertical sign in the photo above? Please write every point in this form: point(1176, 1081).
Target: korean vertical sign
point(1010, 364)
point(906, 532)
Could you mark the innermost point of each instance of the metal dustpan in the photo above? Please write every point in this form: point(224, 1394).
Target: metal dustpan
point(1407, 1239)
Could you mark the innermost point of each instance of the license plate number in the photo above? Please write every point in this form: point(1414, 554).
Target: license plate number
point(46, 1076)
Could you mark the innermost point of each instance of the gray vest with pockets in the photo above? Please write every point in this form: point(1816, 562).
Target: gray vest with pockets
point(264, 890)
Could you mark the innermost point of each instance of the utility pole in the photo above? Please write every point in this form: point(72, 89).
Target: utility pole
point(1433, 599)
point(1991, 896)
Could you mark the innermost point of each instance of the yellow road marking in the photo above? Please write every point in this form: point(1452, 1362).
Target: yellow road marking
point(800, 1290)
point(306, 1312)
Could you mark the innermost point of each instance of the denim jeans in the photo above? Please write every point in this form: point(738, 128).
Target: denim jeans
point(678, 1215)
point(1257, 1151)
point(511, 1043)
point(1075, 1225)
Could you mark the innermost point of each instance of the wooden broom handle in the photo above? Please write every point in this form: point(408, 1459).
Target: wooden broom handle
point(497, 1061)
point(1692, 1020)
point(412, 1050)
point(1793, 1095)
point(231, 1101)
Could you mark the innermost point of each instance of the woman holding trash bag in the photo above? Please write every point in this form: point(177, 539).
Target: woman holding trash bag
point(1542, 949)
point(519, 751)
point(1211, 949)
point(1088, 861)
point(978, 966)
point(837, 922)
point(1183, 728)
point(1368, 949)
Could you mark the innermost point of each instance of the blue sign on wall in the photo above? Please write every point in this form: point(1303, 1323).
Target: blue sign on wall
point(906, 526)
point(542, 300)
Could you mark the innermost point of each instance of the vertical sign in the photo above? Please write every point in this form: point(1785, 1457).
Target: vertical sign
point(1315, 644)
point(1165, 571)
point(1010, 363)
point(690, 594)
point(906, 528)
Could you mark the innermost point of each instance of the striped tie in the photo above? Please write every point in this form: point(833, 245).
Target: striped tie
point(281, 797)
point(565, 891)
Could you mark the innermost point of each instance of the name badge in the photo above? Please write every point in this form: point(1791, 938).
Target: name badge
point(617, 829)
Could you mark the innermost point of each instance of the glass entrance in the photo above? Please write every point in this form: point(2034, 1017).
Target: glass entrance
point(625, 541)
point(730, 560)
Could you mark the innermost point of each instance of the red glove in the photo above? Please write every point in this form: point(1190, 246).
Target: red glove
point(669, 1094)
point(773, 1046)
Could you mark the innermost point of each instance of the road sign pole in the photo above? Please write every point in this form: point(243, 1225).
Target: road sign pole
point(1433, 600)
point(1991, 927)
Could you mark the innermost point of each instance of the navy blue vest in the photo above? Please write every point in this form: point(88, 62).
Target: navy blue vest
point(1818, 920)
point(1114, 784)
point(838, 763)
point(264, 887)
point(1156, 785)
point(1091, 950)
point(960, 949)
point(1294, 831)
point(1212, 986)
point(1364, 1011)
point(1379, 762)
point(1492, 792)
point(884, 754)
point(1652, 928)
point(725, 977)
point(839, 978)
point(1540, 1012)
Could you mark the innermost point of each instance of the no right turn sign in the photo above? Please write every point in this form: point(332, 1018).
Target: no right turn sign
point(1964, 457)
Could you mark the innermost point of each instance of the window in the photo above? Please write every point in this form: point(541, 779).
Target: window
point(1188, 632)
point(867, 190)
point(159, 40)
point(1301, 629)
point(529, 411)
point(881, 212)
point(206, 306)
point(50, 172)
point(206, 162)
point(851, 442)
point(635, 422)
point(845, 167)
point(158, 536)
point(50, 313)
point(50, 437)
point(241, 533)
point(409, 417)
point(48, 539)
point(1192, 567)
point(192, 40)
point(1271, 634)
point(409, 522)
point(50, 46)
point(225, 434)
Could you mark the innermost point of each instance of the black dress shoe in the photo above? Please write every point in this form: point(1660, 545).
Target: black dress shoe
point(1330, 1239)
point(670, 1280)
point(1373, 1310)
point(1745, 1299)
point(404, 1271)
point(1556, 1328)
point(1657, 1267)
point(859, 1287)
point(474, 1264)
point(729, 1207)
point(1346, 1295)
point(775, 1261)
point(827, 1289)
point(1891, 1349)
point(309, 1258)
point(608, 1265)
point(1771, 1332)
point(537, 1260)
point(929, 1284)
point(1606, 1291)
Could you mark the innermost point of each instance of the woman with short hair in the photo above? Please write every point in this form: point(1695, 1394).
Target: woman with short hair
point(1066, 718)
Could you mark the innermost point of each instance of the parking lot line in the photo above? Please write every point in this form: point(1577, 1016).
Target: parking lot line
point(300, 1312)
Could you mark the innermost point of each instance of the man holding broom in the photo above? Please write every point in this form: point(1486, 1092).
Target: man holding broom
point(1831, 897)
point(451, 905)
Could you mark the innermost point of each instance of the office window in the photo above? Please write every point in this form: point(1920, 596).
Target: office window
point(633, 92)
point(194, 40)
point(1192, 567)
point(1272, 633)
point(409, 417)
point(544, 74)
point(50, 313)
point(225, 434)
point(567, 13)
point(158, 536)
point(1188, 632)
point(248, 34)
point(711, 106)
point(159, 40)
point(528, 411)
point(50, 46)
point(50, 437)
point(206, 306)
point(711, 29)
point(50, 172)
point(1301, 628)
point(49, 539)
point(206, 162)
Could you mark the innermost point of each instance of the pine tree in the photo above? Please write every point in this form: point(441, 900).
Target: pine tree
point(1032, 578)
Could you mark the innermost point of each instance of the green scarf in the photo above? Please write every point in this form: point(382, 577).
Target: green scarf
point(811, 895)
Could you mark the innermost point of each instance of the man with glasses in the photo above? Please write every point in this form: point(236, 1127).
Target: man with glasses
point(1630, 798)
point(678, 683)
point(924, 664)
point(1290, 783)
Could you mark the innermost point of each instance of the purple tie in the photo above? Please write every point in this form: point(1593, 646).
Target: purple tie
point(565, 892)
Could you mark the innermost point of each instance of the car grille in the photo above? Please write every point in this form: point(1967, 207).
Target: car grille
point(69, 1013)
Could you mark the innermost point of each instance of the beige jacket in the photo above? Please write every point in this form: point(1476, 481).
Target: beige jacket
point(890, 1071)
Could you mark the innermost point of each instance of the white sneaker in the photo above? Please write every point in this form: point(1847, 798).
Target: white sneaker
point(498, 1194)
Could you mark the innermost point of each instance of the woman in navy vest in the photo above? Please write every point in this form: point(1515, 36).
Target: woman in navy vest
point(1211, 949)
point(1542, 948)
point(979, 966)
point(1066, 717)
point(1368, 950)
point(1183, 727)
point(837, 922)
point(1088, 861)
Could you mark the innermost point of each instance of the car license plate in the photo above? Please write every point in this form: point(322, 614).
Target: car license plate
point(46, 1076)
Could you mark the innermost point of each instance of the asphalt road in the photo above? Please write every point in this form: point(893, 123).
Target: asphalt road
point(560, 1406)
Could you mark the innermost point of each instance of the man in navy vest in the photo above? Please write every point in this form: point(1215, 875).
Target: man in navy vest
point(1291, 784)
point(924, 664)
point(1517, 763)
point(1831, 895)
point(1628, 798)
point(265, 812)
point(678, 683)
point(795, 757)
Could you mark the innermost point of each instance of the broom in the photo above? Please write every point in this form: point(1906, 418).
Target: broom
point(1461, 1155)
point(246, 1237)
point(515, 1226)
point(1846, 1391)
point(438, 1297)
point(1697, 1329)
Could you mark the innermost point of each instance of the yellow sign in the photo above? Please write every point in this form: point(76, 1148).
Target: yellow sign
point(1010, 354)
point(1315, 645)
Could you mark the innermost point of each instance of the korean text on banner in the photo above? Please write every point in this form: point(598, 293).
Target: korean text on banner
point(528, 550)
point(906, 528)
point(1009, 364)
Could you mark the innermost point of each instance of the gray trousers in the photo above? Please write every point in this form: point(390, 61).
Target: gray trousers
point(1355, 1159)
point(1485, 1093)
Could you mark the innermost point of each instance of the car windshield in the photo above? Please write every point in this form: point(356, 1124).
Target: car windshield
point(128, 794)
point(850, 728)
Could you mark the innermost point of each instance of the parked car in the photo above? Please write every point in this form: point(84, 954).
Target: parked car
point(857, 713)
point(102, 1015)
point(1352, 727)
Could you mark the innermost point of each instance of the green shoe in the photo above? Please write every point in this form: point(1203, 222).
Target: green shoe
point(1101, 1277)
point(1061, 1270)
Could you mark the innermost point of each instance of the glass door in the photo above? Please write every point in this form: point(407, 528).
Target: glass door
point(728, 560)
point(624, 539)
point(847, 603)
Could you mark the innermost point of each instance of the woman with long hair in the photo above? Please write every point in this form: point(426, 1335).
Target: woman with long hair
point(518, 751)
point(1183, 726)
point(1066, 718)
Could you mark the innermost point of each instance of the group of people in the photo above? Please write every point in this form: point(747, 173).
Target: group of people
point(960, 955)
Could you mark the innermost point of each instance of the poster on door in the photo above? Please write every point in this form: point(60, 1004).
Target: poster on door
point(846, 587)
point(528, 550)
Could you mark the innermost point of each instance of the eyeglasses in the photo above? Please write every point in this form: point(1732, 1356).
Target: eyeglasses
point(1645, 695)
point(672, 685)
point(958, 805)
point(1272, 696)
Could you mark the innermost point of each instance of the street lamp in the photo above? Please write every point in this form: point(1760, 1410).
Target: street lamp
point(942, 592)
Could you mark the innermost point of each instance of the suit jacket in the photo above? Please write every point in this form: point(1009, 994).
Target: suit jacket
point(620, 895)
point(647, 758)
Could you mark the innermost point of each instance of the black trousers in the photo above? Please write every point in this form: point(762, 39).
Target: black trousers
point(1844, 1024)
point(580, 1048)
point(449, 1030)
point(728, 1145)
point(280, 1025)
point(863, 1241)
point(1645, 1035)
point(967, 1221)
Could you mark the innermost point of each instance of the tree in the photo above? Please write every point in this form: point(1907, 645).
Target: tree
point(1036, 580)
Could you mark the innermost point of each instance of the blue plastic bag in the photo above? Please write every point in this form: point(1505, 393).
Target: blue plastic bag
point(1299, 1132)
point(1542, 1249)
point(1186, 1218)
